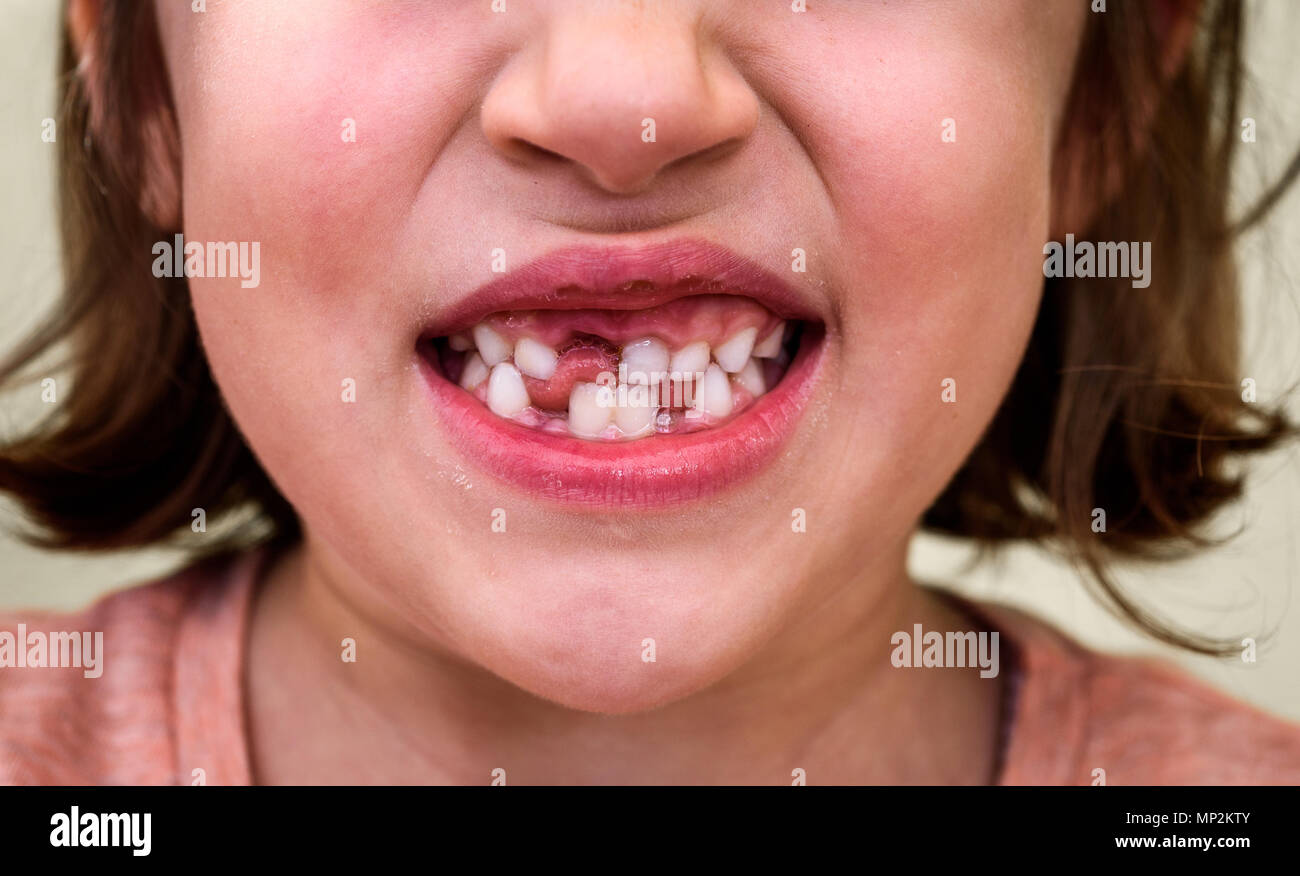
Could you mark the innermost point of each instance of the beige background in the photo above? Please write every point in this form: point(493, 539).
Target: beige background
point(1249, 585)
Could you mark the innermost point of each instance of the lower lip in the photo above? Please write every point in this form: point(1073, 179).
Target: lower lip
point(649, 473)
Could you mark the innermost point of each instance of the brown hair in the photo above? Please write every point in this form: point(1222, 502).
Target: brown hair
point(1130, 400)
point(1127, 400)
point(143, 437)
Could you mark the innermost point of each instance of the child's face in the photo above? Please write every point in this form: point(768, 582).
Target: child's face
point(550, 559)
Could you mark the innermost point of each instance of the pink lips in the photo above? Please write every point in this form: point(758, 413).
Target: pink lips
point(655, 472)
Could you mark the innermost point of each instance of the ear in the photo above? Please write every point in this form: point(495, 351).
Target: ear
point(129, 117)
point(1082, 186)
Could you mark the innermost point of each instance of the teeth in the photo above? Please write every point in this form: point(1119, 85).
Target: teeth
point(733, 353)
point(506, 395)
point(690, 359)
point(588, 418)
point(637, 417)
point(474, 372)
point(535, 358)
point(713, 396)
point(491, 346)
point(706, 380)
point(644, 358)
point(770, 346)
point(751, 377)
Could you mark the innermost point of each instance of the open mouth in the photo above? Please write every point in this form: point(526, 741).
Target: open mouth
point(619, 375)
point(625, 376)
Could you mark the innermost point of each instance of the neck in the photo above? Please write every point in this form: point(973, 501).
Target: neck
point(822, 697)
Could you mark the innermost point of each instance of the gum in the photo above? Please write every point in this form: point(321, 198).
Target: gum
point(710, 318)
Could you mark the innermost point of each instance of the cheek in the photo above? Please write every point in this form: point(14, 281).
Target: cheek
point(319, 166)
point(948, 239)
point(312, 136)
point(940, 170)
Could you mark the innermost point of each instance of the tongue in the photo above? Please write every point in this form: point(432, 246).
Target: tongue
point(581, 360)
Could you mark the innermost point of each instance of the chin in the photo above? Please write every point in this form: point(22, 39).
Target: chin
point(613, 650)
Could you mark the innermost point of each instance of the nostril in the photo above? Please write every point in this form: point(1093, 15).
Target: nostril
point(527, 150)
point(710, 154)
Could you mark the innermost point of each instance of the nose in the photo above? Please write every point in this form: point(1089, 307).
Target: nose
point(618, 93)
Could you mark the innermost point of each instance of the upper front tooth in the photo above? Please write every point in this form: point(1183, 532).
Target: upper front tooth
point(751, 377)
point(491, 346)
point(506, 395)
point(588, 418)
point(474, 372)
point(713, 396)
point(690, 359)
point(770, 346)
point(645, 358)
point(460, 342)
point(535, 358)
point(733, 353)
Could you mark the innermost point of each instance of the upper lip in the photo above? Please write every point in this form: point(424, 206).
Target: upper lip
point(613, 277)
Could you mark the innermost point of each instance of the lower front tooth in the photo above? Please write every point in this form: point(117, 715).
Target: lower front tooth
point(713, 395)
point(588, 417)
point(637, 416)
point(751, 378)
point(506, 395)
point(474, 372)
point(770, 346)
